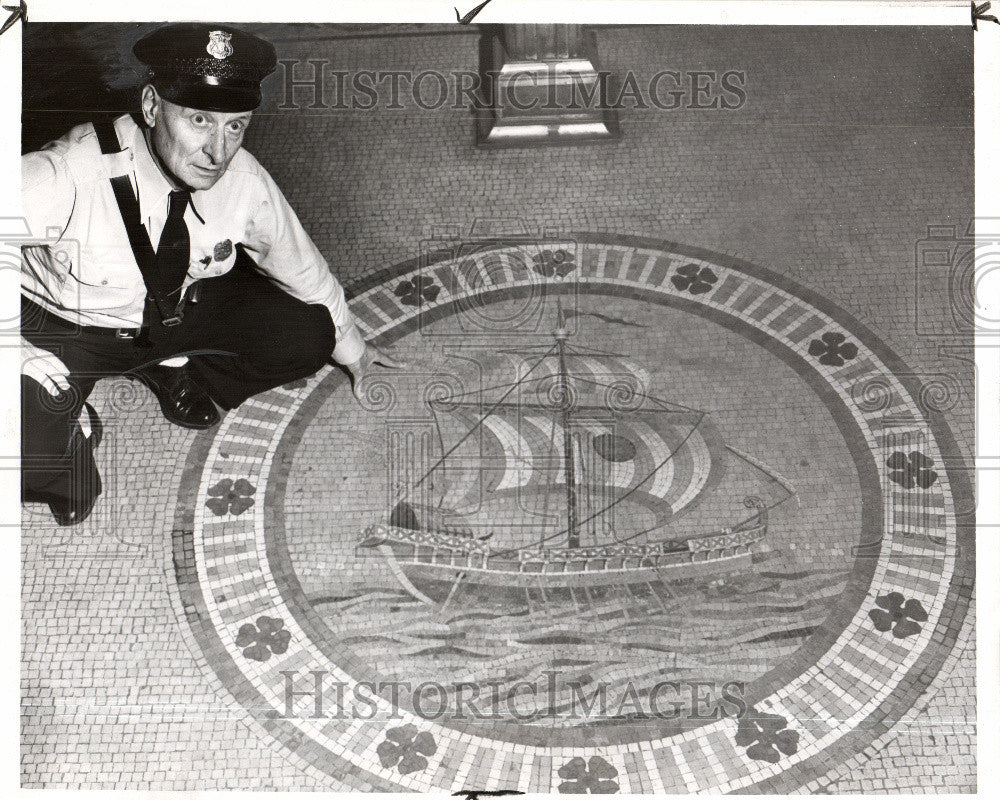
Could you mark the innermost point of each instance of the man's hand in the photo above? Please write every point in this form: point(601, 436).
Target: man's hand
point(360, 368)
point(42, 366)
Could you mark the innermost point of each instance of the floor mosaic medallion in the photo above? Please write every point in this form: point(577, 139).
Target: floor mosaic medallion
point(635, 518)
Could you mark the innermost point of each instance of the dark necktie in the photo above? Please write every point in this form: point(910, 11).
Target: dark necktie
point(173, 253)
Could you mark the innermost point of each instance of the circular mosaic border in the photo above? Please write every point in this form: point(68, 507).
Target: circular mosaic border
point(841, 692)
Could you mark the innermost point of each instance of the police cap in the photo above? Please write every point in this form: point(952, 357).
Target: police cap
point(205, 66)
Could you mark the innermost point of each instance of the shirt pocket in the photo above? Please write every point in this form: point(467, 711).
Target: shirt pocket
point(104, 279)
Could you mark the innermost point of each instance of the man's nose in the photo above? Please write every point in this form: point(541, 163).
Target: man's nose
point(215, 147)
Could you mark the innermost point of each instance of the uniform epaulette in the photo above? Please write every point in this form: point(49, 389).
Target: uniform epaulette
point(85, 161)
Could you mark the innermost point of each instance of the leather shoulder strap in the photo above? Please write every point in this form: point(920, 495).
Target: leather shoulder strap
point(106, 136)
point(128, 206)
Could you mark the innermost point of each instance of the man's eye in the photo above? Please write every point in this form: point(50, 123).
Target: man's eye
point(199, 119)
point(236, 127)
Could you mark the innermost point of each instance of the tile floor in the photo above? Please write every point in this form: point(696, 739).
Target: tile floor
point(136, 671)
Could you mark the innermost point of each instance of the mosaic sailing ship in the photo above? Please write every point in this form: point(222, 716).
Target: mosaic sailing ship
point(578, 437)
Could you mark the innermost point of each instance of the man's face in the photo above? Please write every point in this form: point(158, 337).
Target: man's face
point(193, 147)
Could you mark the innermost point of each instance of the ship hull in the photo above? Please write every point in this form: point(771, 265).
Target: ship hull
point(423, 562)
point(439, 575)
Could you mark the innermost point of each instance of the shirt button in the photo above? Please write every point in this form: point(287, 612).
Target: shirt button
point(104, 282)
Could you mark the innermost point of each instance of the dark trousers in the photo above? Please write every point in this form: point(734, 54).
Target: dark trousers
point(243, 336)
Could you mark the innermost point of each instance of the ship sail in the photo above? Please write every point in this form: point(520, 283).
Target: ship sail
point(659, 458)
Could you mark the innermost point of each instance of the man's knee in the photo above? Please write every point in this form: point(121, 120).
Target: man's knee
point(316, 338)
point(306, 343)
point(42, 412)
point(53, 460)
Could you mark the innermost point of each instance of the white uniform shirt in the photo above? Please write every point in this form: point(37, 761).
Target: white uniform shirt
point(85, 271)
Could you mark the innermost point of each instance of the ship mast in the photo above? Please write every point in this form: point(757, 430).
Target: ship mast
point(573, 526)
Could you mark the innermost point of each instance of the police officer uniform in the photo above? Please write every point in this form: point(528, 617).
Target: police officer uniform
point(256, 307)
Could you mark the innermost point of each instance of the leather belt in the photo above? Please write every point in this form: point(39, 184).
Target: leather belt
point(30, 308)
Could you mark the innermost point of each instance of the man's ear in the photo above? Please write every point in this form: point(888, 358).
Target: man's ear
point(151, 104)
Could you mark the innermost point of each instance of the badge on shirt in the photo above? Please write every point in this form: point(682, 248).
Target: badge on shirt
point(223, 250)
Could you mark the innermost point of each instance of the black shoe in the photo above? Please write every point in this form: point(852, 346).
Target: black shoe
point(70, 513)
point(65, 512)
point(182, 400)
point(74, 511)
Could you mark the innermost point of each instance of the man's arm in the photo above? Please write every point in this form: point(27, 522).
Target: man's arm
point(47, 195)
point(288, 256)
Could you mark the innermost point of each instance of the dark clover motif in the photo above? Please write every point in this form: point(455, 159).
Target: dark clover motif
point(900, 617)
point(766, 736)
point(694, 279)
point(406, 749)
point(911, 470)
point(228, 497)
point(554, 263)
point(261, 640)
point(583, 777)
point(833, 349)
point(416, 290)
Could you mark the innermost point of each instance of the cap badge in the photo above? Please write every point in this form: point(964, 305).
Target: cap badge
point(218, 44)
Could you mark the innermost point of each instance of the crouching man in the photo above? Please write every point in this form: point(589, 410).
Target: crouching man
point(171, 256)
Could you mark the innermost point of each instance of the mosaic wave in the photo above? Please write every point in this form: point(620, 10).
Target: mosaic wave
point(621, 638)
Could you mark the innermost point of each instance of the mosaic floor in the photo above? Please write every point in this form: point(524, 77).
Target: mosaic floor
point(764, 569)
point(832, 651)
